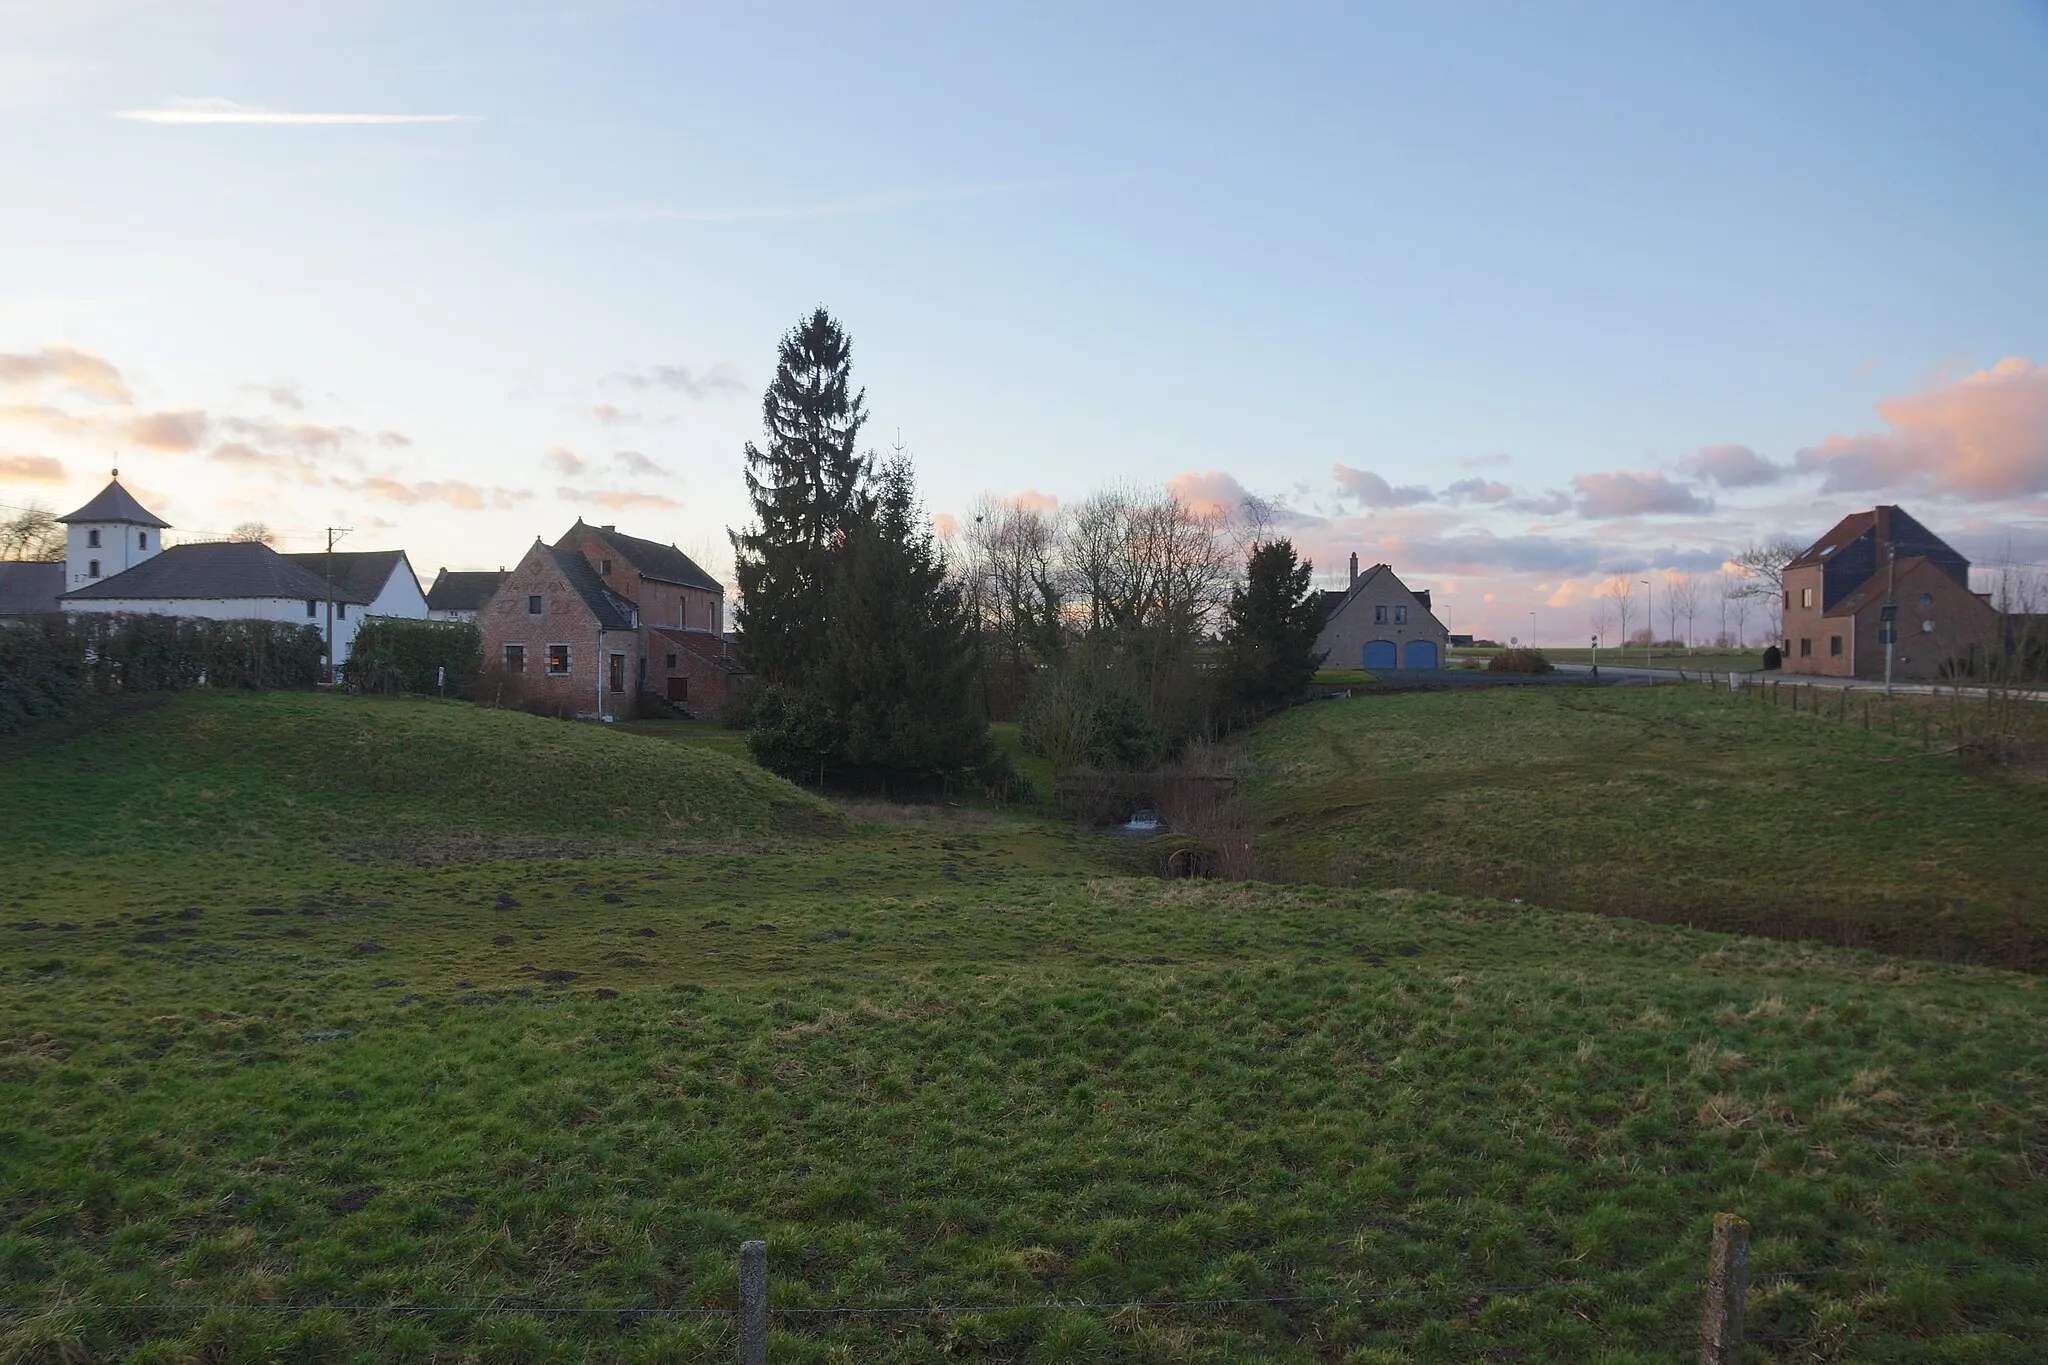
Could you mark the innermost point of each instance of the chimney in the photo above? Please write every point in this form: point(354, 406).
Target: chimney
point(1354, 568)
point(607, 528)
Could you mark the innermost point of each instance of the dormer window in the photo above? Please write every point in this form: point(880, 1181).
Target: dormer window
point(607, 568)
point(92, 541)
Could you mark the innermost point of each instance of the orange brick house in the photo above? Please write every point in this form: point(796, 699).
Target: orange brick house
point(1836, 593)
point(607, 625)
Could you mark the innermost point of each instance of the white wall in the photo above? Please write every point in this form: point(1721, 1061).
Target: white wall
point(238, 609)
point(120, 548)
point(400, 595)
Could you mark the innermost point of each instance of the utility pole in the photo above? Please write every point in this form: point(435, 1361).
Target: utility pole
point(1889, 617)
point(332, 533)
point(1649, 615)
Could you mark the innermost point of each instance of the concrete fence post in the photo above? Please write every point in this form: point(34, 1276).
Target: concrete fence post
point(754, 1303)
point(1727, 1288)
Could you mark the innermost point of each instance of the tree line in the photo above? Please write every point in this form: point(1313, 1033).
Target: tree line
point(1115, 632)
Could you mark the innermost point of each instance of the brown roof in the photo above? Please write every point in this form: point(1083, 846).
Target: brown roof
point(1844, 531)
point(705, 644)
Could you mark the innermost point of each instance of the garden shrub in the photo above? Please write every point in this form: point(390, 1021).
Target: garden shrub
point(1522, 660)
point(396, 654)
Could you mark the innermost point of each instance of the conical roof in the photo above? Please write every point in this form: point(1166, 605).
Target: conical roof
point(115, 503)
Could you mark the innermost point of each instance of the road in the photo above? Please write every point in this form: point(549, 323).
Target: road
point(1625, 676)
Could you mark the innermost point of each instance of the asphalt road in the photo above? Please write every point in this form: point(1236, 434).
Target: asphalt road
point(1624, 675)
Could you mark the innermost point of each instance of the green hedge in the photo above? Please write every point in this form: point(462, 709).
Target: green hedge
point(41, 672)
point(394, 654)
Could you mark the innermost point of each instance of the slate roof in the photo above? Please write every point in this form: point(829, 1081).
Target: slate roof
point(649, 559)
point(612, 611)
point(706, 645)
point(362, 572)
point(29, 588)
point(229, 569)
point(115, 503)
point(463, 590)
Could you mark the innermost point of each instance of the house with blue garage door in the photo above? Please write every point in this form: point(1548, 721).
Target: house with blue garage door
point(1382, 624)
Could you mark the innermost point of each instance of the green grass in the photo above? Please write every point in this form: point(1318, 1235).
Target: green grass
point(1676, 804)
point(1345, 677)
point(934, 1060)
point(702, 734)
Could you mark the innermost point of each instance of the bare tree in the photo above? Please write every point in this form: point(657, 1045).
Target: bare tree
point(1682, 603)
point(34, 534)
point(1736, 597)
point(1008, 568)
point(254, 531)
point(1761, 566)
point(1621, 606)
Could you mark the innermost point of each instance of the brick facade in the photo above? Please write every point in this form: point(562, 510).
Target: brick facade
point(1834, 595)
point(522, 641)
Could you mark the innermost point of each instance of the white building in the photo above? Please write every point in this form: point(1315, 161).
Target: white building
point(459, 596)
point(230, 580)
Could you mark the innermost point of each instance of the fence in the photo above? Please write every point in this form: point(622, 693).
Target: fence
point(2002, 723)
point(1723, 1282)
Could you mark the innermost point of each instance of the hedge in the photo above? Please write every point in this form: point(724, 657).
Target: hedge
point(395, 654)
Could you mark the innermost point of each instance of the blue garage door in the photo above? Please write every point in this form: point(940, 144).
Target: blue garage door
point(1419, 654)
point(1380, 654)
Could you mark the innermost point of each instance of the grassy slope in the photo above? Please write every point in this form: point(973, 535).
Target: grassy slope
point(932, 1063)
point(1671, 803)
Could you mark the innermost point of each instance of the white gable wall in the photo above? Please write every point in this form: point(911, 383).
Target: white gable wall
point(400, 595)
point(122, 545)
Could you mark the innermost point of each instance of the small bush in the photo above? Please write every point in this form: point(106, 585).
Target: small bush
point(792, 738)
point(1076, 721)
point(394, 654)
point(42, 672)
point(1520, 661)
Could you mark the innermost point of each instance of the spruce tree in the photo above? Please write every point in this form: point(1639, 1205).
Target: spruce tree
point(806, 491)
point(1269, 638)
point(898, 660)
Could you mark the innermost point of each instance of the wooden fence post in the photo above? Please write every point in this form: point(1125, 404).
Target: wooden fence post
point(754, 1303)
point(1727, 1288)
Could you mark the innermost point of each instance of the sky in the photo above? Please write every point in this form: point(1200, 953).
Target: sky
point(1511, 297)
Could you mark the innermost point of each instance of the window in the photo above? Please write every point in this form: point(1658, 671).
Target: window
point(1401, 616)
point(142, 540)
point(92, 539)
point(515, 658)
point(1788, 599)
point(1379, 616)
point(1926, 599)
point(1806, 597)
point(1806, 649)
point(558, 658)
point(671, 661)
point(533, 605)
point(341, 610)
point(1834, 646)
point(617, 673)
point(312, 607)
point(607, 570)
point(92, 568)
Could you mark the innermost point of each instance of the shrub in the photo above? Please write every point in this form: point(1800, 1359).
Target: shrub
point(42, 672)
point(1520, 661)
point(792, 738)
point(138, 652)
point(394, 654)
point(1074, 721)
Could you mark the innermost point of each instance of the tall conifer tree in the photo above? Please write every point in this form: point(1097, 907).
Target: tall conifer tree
point(806, 490)
point(1269, 639)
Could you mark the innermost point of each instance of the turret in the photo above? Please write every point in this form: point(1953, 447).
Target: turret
point(110, 534)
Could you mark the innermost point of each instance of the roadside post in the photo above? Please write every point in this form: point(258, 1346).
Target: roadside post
point(1727, 1288)
point(1596, 658)
point(754, 1303)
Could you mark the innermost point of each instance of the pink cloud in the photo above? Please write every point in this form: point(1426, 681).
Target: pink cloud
point(618, 500)
point(180, 430)
point(1373, 491)
point(1208, 492)
point(67, 368)
point(563, 460)
point(31, 468)
point(1626, 493)
point(946, 524)
point(1982, 437)
point(463, 497)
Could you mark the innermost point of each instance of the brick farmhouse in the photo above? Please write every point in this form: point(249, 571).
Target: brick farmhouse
point(607, 625)
point(1836, 592)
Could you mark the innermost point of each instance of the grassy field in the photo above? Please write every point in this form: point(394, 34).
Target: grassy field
point(1345, 677)
point(310, 1073)
point(1690, 660)
point(1674, 804)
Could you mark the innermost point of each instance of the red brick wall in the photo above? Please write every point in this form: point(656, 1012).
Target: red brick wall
point(710, 687)
point(661, 604)
point(564, 619)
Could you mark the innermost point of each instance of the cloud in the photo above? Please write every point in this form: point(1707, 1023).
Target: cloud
point(1733, 467)
point(191, 111)
point(1981, 437)
point(946, 524)
point(179, 430)
point(64, 366)
point(1031, 500)
point(31, 469)
point(723, 377)
point(1553, 502)
point(43, 415)
point(307, 437)
point(251, 457)
point(619, 500)
point(563, 460)
point(463, 497)
point(1207, 492)
point(282, 395)
point(394, 440)
point(1485, 491)
point(610, 416)
point(633, 462)
point(1494, 460)
point(1626, 493)
point(1373, 491)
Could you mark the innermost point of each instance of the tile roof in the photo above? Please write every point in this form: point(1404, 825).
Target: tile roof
point(115, 503)
point(364, 572)
point(705, 644)
point(233, 570)
point(1842, 533)
point(30, 588)
point(463, 590)
point(653, 560)
point(612, 611)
